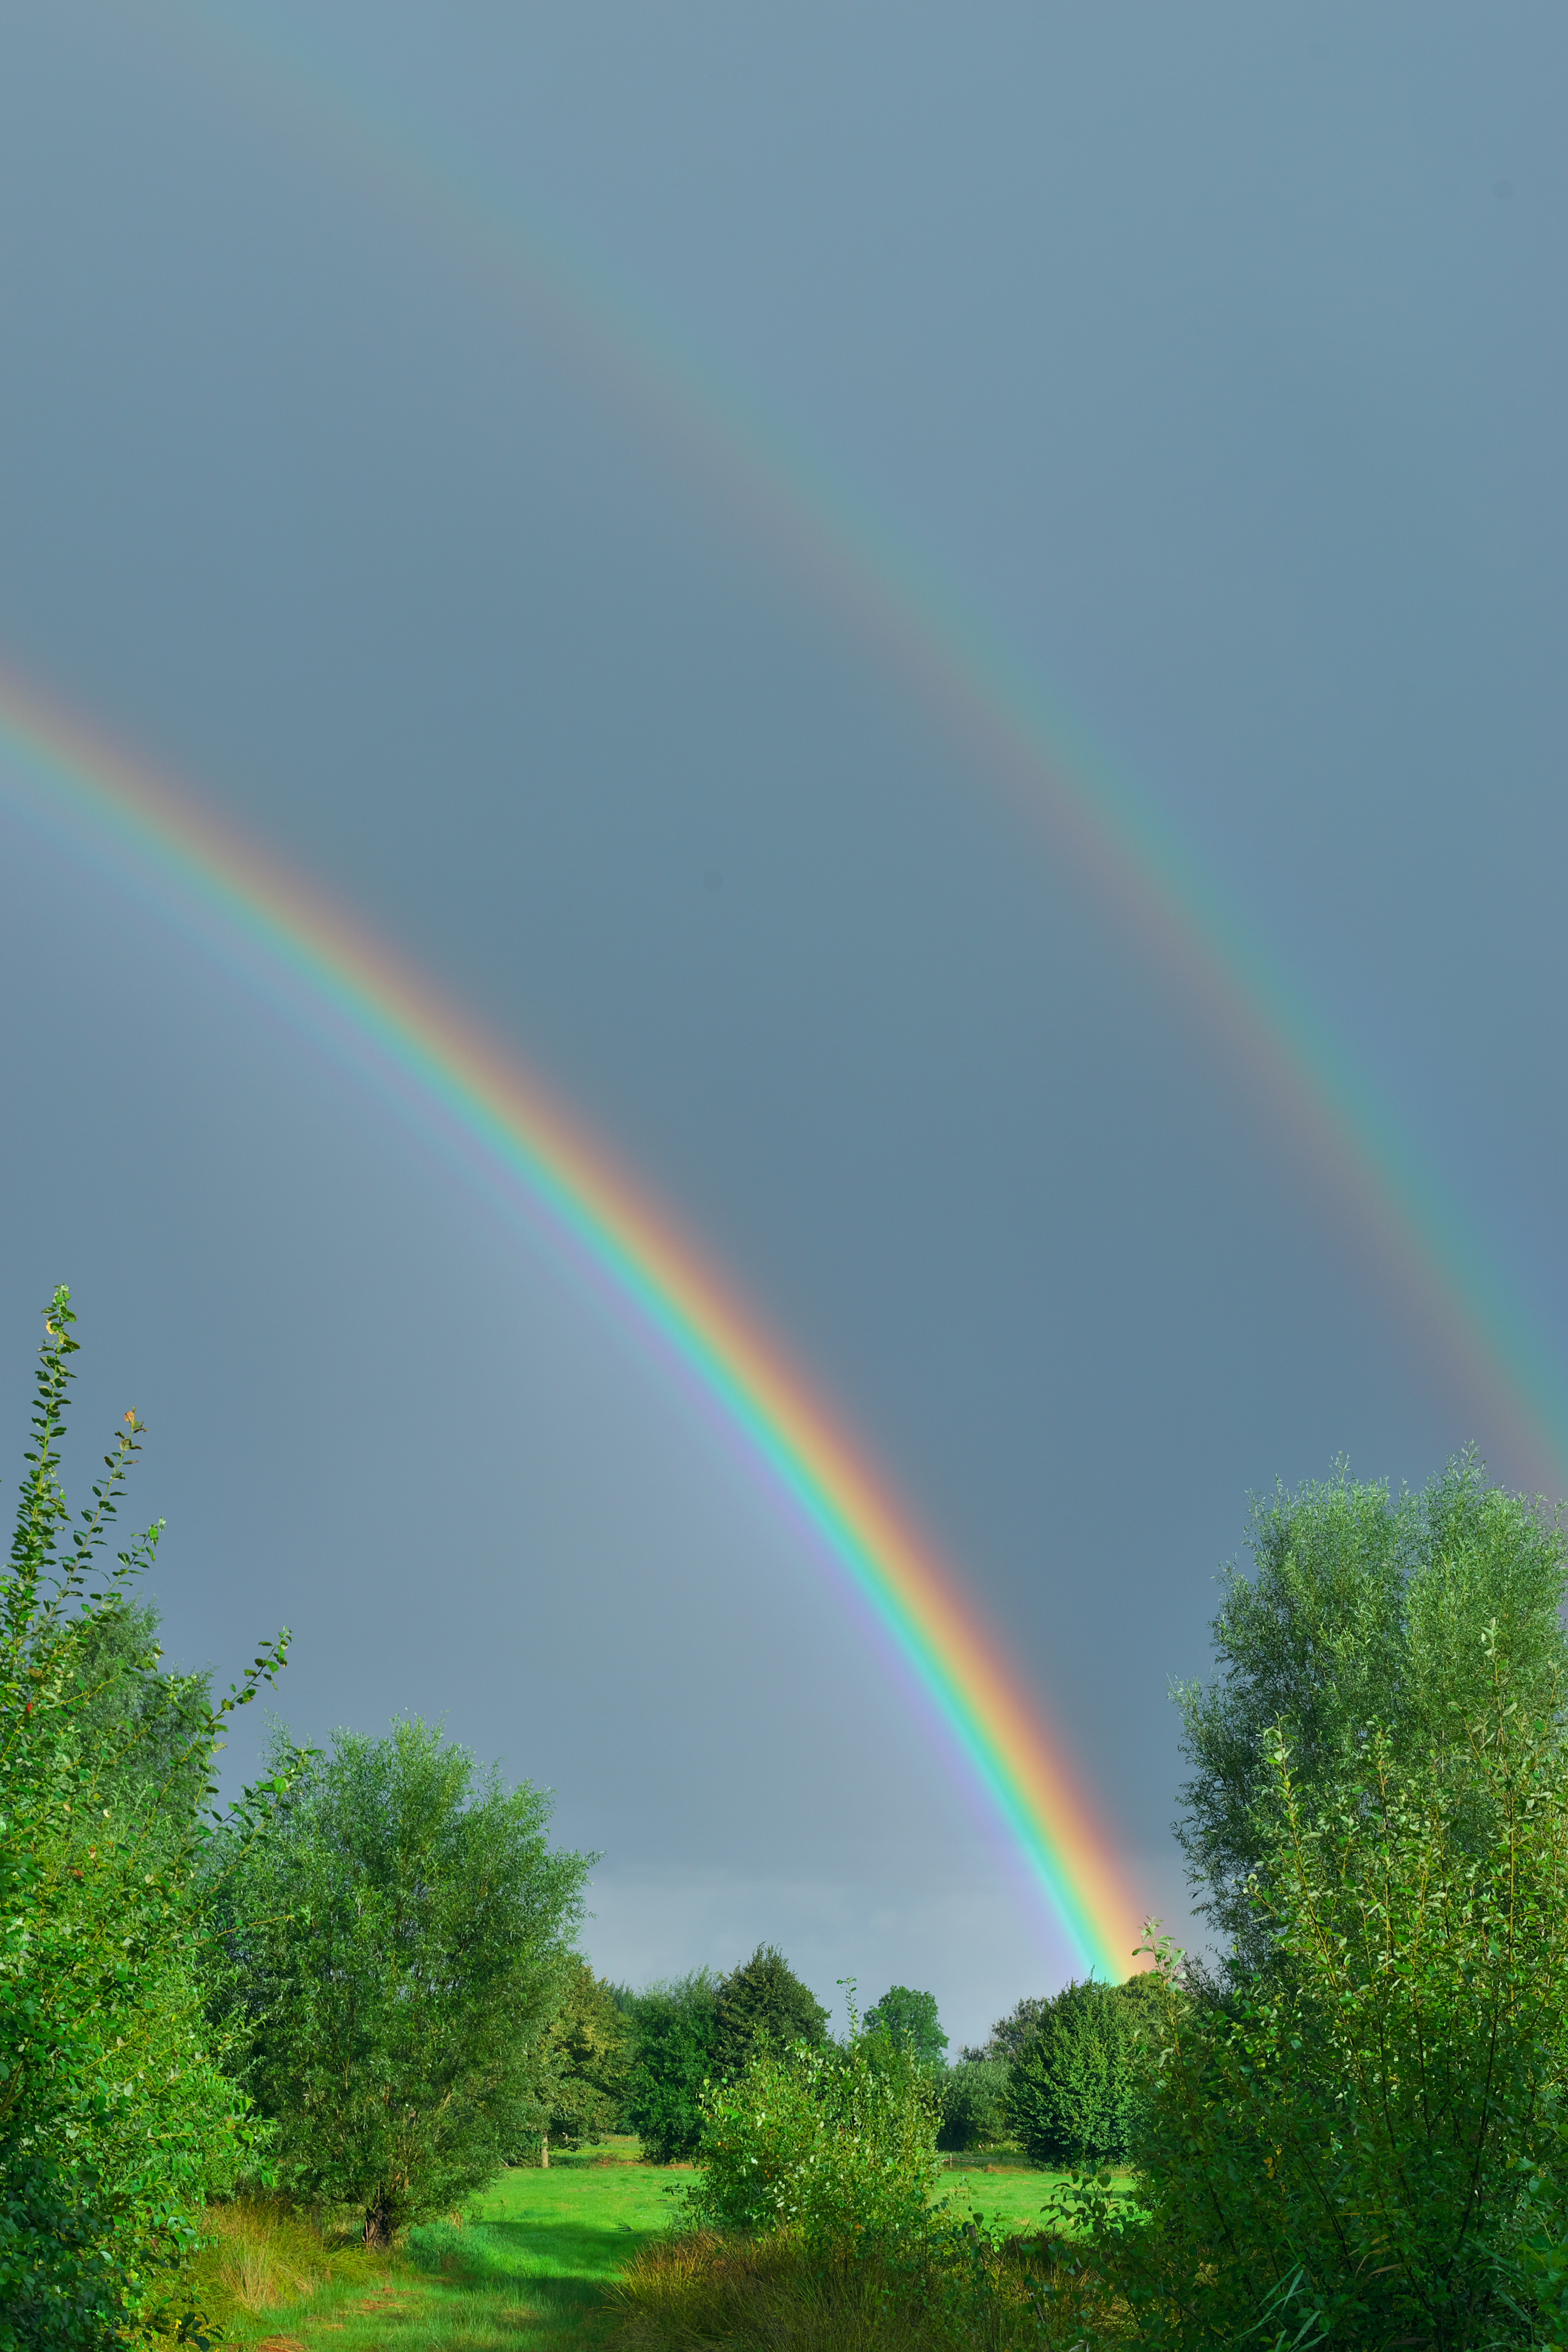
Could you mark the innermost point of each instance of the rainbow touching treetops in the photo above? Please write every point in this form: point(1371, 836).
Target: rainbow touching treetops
point(396, 1025)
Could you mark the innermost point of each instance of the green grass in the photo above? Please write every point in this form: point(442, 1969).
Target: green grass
point(1006, 2190)
point(524, 2269)
point(524, 2272)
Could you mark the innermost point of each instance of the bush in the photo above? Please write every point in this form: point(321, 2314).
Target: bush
point(973, 2097)
point(1075, 2090)
point(674, 2028)
point(116, 2121)
point(835, 2143)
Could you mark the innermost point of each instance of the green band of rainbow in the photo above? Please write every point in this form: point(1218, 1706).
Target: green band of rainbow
point(62, 777)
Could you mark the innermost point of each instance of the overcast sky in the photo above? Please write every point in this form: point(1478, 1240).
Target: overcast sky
point(1212, 362)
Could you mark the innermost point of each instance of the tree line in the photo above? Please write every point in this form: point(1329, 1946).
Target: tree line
point(359, 1986)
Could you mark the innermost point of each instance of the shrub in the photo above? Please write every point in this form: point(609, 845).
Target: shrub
point(116, 2121)
point(1074, 2089)
point(674, 2029)
point(835, 2142)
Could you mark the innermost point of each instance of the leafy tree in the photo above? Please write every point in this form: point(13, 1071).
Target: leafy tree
point(675, 2027)
point(1363, 2143)
point(1362, 1607)
point(116, 2120)
point(974, 2096)
point(398, 1934)
point(1074, 2089)
point(764, 2000)
point(585, 2059)
point(911, 2018)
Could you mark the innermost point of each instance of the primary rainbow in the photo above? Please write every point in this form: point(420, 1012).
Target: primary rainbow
point(397, 1026)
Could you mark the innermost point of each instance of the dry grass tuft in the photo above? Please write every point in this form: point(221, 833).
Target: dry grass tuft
point(707, 2293)
point(258, 2256)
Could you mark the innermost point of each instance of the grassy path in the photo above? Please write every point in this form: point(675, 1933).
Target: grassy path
point(525, 2272)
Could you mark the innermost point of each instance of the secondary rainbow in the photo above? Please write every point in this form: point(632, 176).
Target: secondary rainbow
point(396, 1024)
point(1419, 1239)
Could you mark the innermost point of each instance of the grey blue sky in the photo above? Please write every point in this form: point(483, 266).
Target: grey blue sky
point(1210, 360)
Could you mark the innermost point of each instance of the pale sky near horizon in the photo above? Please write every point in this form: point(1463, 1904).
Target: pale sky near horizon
point(1214, 363)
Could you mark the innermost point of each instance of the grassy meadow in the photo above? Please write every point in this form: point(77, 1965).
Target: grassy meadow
point(527, 2263)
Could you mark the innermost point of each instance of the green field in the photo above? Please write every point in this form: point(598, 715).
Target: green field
point(525, 2267)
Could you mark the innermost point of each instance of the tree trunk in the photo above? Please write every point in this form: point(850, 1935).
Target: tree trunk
point(378, 2223)
point(544, 2152)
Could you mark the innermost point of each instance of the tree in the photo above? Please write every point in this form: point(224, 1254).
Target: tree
point(586, 2059)
point(675, 2025)
point(974, 2105)
point(1363, 2143)
point(1362, 1607)
point(1009, 2033)
point(398, 1934)
point(764, 2000)
point(116, 2118)
point(1074, 2089)
point(909, 2018)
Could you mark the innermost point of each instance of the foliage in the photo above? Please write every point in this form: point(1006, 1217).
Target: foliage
point(763, 2000)
point(586, 2055)
point(1343, 2138)
point(910, 2017)
point(675, 2027)
point(396, 1936)
point(1009, 2033)
point(1363, 1607)
point(115, 2119)
point(973, 2097)
point(1075, 2090)
point(836, 2142)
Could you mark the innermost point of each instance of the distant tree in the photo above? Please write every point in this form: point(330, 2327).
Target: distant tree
point(911, 2018)
point(764, 2000)
point(1364, 1611)
point(1009, 2033)
point(586, 2059)
point(1076, 2088)
point(398, 1936)
point(674, 2030)
point(973, 2095)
